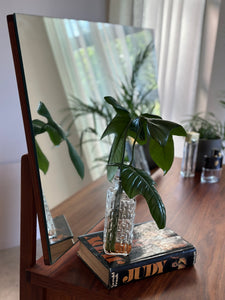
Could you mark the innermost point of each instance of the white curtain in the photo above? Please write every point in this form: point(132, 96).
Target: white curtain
point(178, 26)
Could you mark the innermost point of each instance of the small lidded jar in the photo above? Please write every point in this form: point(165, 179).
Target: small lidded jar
point(211, 172)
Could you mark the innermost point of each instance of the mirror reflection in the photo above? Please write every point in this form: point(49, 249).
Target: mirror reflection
point(69, 67)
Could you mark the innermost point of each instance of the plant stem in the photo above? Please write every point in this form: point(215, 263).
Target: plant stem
point(111, 234)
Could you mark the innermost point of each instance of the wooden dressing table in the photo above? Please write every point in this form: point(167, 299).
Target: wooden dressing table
point(194, 210)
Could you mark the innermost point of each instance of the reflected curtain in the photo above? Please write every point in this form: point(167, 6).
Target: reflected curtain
point(178, 26)
point(93, 59)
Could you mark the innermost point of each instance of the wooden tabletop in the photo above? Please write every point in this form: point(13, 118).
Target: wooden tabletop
point(195, 211)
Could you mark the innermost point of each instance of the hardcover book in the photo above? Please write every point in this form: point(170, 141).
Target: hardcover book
point(153, 252)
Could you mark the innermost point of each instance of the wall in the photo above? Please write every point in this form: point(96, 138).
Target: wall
point(13, 144)
point(212, 15)
point(217, 82)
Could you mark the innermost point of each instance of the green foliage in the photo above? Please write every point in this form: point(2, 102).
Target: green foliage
point(56, 135)
point(207, 125)
point(142, 128)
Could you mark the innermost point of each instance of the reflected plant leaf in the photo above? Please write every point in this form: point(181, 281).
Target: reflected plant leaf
point(43, 162)
point(57, 135)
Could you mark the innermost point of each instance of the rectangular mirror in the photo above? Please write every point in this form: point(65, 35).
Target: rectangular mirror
point(65, 68)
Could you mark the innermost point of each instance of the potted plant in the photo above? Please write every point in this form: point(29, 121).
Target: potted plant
point(141, 128)
point(211, 131)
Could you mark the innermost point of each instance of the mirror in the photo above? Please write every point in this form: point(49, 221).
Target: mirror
point(70, 66)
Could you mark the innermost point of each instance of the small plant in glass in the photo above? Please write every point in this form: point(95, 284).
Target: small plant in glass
point(131, 181)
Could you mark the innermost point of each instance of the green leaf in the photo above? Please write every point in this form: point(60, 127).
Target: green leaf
point(115, 104)
point(137, 182)
point(54, 134)
point(138, 130)
point(43, 162)
point(160, 130)
point(151, 116)
point(118, 125)
point(115, 156)
point(43, 111)
point(54, 130)
point(162, 155)
point(75, 158)
point(38, 127)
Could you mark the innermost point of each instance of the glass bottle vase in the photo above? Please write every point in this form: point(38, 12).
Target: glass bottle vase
point(119, 221)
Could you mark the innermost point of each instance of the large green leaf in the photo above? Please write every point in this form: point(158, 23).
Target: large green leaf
point(118, 147)
point(43, 162)
point(54, 130)
point(160, 130)
point(115, 156)
point(137, 130)
point(162, 155)
point(75, 158)
point(118, 125)
point(38, 127)
point(151, 116)
point(54, 134)
point(137, 182)
point(115, 104)
point(43, 111)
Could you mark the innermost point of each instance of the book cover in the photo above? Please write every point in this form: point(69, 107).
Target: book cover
point(153, 252)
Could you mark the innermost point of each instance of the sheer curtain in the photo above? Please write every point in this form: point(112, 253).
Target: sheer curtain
point(178, 26)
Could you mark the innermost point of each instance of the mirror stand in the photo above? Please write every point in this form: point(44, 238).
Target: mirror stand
point(28, 228)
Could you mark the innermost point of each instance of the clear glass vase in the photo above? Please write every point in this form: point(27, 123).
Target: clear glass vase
point(119, 221)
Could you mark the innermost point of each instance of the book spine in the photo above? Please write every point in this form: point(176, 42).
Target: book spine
point(150, 268)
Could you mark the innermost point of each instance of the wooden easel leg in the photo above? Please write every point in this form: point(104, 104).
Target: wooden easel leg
point(27, 229)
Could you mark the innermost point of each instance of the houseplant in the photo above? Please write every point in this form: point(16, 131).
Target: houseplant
point(212, 133)
point(141, 128)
